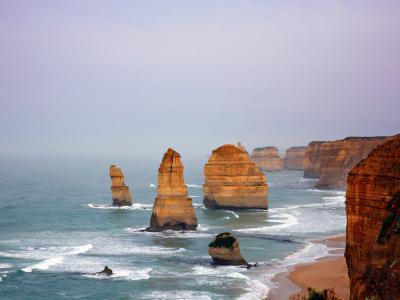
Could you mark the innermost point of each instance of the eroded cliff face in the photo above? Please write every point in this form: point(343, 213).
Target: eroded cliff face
point(225, 250)
point(172, 209)
point(294, 158)
point(312, 159)
point(120, 193)
point(373, 224)
point(267, 159)
point(233, 181)
point(339, 157)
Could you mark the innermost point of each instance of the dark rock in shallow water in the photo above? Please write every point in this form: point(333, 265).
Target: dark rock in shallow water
point(225, 250)
point(106, 271)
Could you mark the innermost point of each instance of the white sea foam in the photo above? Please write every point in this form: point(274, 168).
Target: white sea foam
point(125, 274)
point(233, 213)
point(152, 185)
point(197, 186)
point(135, 206)
point(5, 266)
point(56, 260)
point(285, 221)
point(193, 196)
point(179, 295)
point(221, 271)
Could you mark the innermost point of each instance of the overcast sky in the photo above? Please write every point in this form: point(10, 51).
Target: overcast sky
point(131, 78)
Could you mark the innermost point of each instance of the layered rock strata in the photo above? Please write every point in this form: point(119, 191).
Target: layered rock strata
point(294, 158)
point(121, 195)
point(172, 209)
point(225, 250)
point(233, 181)
point(267, 159)
point(312, 160)
point(373, 224)
point(339, 157)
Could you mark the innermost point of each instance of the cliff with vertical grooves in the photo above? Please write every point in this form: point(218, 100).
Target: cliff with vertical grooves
point(294, 158)
point(339, 157)
point(172, 209)
point(267, 159)
point(233, 181)
point(373, 224)
point(120, 193)
point(312, 159)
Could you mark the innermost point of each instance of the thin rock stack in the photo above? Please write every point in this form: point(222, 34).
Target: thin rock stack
point(121, 195)
point(173, 209)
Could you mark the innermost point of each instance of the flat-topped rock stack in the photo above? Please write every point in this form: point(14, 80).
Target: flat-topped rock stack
point(225, 250)
point(294, 158)
point(172, 209)
point(373, 224)
point(121, 195)
point(232, 180)
point(339, 157)
point(267, 159)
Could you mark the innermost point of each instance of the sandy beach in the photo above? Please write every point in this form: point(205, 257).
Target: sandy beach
point(327, 272)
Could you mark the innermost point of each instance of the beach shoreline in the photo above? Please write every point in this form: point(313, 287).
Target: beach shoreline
point(326, 272)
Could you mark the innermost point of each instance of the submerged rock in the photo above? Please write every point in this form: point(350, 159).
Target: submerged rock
point(225, 250)
point(106, 271)
point(121, 195)
point(172, 209)
point(373, 224)
point(267, 159)
point(232, 180)
point(294, 158)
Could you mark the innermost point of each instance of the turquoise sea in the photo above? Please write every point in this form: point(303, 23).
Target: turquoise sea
point(57, 225)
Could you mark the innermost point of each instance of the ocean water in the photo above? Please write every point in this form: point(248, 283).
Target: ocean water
point(57, 226)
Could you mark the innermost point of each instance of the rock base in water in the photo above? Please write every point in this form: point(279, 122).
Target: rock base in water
point(225, 250)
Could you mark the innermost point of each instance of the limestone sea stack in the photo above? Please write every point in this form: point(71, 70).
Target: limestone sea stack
point(294, 158)
point(339, 157)
point(312, 159)
point(233, 181)
point(172, 209)
point(373, 224)
point(225, 250)
point(121, 195)
point(267, 159)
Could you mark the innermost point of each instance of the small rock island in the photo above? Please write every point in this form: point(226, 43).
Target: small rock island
point(267, 158)
point(225, 250)
point(173, 209)
point(121, 195)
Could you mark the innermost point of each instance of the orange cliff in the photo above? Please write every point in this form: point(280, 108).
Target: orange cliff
point(172, 209)
point(373, 224)
point(339, 157)
point(294, 158)
point(267, 159)
point(120, 193)
point(233, 181)
point(312, 159)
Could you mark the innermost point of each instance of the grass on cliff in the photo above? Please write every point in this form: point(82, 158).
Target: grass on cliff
point(393, 208)
point(312, 294)
point(225, 240)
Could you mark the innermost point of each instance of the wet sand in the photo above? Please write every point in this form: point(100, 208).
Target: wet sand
point(327, 272)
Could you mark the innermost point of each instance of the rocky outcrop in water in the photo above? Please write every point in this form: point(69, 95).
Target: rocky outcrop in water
point(373, 224)
point(294, 158)
point(225, 250)
point(312, 159)
point(233, 181)
point(172, 209)
point(267, 159)
point(339, 157)
point(121, 195)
